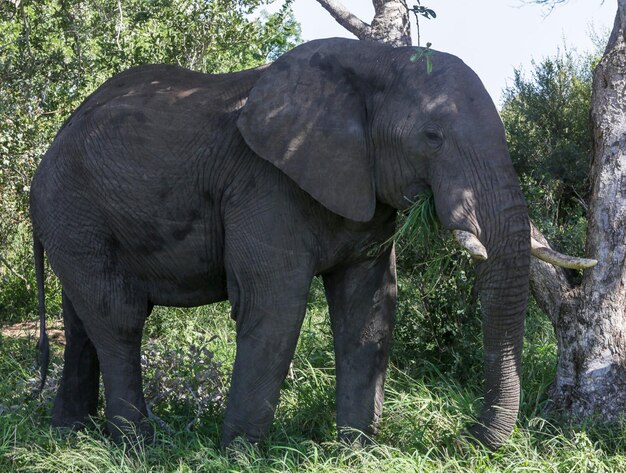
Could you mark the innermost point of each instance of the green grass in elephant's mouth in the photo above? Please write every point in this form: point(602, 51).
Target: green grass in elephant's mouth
point(418, 223)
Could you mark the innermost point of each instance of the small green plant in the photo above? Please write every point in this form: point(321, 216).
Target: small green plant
point(184, 377)
point(425, 53)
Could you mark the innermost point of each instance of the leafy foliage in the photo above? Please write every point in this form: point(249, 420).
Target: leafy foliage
point(438, 317)
point(182, 377)
point(419, 222)
point(426, 12)
point(426, 53)
point(546, 117)
point(549, 133)
point(53, 53)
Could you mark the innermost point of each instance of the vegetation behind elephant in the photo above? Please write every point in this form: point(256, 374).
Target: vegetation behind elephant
point(172, 187)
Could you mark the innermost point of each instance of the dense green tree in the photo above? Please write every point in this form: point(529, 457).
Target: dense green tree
point(549, 133)
point(53, 53)
point(546, 116)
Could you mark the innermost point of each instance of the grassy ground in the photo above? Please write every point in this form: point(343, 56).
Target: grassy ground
point(190, 353)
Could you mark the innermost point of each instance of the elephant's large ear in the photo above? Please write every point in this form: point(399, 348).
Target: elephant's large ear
point(306, 116)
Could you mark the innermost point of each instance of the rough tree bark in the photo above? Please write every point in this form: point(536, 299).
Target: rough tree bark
point(589, 319)
point(390, 24)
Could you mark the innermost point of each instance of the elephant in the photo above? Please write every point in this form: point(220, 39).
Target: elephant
point(173, 187)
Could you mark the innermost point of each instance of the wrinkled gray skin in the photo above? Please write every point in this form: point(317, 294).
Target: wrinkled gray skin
point(177, 188)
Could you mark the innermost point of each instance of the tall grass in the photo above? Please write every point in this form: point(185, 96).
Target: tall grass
point(425, 411)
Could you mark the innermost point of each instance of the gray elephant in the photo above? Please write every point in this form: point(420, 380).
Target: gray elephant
point(172, 187)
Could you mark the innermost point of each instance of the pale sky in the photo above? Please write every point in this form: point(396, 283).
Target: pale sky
point(492, 36)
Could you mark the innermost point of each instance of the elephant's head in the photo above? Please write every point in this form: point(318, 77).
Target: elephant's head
point(354, 123)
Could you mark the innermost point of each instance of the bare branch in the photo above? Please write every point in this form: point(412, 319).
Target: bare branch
point(347, 19)
point(164, 425)
point(198, 409)
point(550, 3)
point(120, 26)
point(14, 272)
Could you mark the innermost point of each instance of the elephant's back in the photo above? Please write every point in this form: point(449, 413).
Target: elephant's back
point(150, 134)
point(163, 89)
point(155, 115)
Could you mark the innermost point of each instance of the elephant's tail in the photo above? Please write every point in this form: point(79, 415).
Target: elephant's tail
point(43, 345)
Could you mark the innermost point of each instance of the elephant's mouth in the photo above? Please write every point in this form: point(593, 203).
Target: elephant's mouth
point(414, 192)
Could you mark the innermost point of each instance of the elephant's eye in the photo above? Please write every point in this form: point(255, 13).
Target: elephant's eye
point(434, 137)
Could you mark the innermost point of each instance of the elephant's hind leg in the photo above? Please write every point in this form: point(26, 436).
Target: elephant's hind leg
point(77, 396)
point(115, 311)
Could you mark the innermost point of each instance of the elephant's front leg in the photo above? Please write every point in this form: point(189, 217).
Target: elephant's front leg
point(268, 290)
point(361, 300)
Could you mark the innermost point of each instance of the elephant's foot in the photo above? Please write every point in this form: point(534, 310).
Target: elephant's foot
point(127, 415)
point(241, 446)
point(354, 436)
point(69, 423)
point(73, 412)
point(484, 435)
point(131, 432)
point(234, 433)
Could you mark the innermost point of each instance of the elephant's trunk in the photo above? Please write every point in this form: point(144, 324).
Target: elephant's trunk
point(490, 220)
point(503, 287)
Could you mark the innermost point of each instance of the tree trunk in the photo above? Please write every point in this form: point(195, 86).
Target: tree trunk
point(590, 320)
point(390, 24)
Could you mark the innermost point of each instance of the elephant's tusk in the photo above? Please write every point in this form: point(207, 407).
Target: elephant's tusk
point(470, 242)
point(551, 256)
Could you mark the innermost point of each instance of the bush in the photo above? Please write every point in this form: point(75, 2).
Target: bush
point(438, 318)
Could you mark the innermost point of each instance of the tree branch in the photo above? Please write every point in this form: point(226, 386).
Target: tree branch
point(550, 285)
point(14, 272)
point(619, 27)
point(347, 19)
